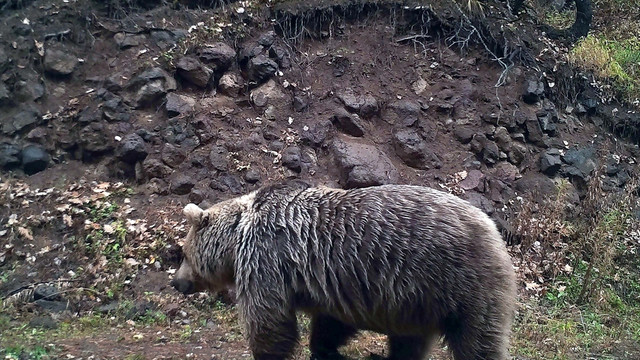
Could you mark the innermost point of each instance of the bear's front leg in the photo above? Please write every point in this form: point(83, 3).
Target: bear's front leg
point(273, 339)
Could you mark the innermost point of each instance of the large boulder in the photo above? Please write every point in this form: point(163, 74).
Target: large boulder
point(580, 163)
point(132, 149)
point(9, 155)
point(533, 91)
point(414, 150)
point(231, 84)
point(194, 71)
point(261, 68)
point(362, 164)
point(150, 86)
point(348, 123)
point(34, 159)
point(59, 63)
point(154, 168)
point(95, 138)
point(402, 112)
point(179, 104)
point(22, 120)
point(172, 155)
point(219, 55)
point(550, 161)
point(182, 184)
point(269, 93)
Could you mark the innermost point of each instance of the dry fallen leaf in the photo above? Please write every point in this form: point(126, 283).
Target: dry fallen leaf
point(25, 233)
point(66, 218)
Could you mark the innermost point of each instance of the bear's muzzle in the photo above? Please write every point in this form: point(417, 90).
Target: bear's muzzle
point(184, 286)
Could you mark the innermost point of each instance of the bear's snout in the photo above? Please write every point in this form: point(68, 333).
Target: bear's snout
point(184, 286)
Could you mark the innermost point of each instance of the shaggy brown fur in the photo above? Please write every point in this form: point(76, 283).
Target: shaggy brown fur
point(407, 261)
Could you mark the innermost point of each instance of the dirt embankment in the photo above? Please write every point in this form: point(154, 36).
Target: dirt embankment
point(200, 104)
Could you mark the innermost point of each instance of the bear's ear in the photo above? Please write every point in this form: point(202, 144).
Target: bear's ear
point(193, 213)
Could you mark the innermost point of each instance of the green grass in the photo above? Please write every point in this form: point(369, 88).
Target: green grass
point(613, 61)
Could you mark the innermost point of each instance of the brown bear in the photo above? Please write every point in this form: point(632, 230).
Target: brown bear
point(407, 261)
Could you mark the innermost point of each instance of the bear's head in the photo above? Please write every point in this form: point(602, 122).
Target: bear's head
point(208, 262)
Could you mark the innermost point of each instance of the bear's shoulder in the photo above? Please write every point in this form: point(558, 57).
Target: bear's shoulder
point(278, 192)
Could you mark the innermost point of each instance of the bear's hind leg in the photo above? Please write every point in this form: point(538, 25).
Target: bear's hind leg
point(327, 335)
point(409, 347)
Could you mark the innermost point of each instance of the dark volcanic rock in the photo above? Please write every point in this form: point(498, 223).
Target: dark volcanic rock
point(219, 158)
point(300, 103)
point(195, 72)
point(281, 55)
point(548, 117)
point(151, 74)
point(28, 90)
point(580, 163)
point(474, 180)
point(182, 184)
point(94, 138)
point(219, 55)
point(149, 93)
point(503, 139)
point(414, 150)
point(23, 119)
point(227, 183)
point(88, 115)
point(125, 41)
point(172, 155)
point(363, 165)
point(252, 176)
point(550, 162)
point(9, 155)
point(533, 130)
point(291, 158)
point(369, 106)
point(517, 154)
point(5, 61)
point(196, 196)
point(490, 152)
point(536, 183)
point(485, 148)
point(480, 201)
point(114, 109)
point(179, 104)
point(267, 39)
point(58, 62)
point(349, 123)
point(132, 149)
point(231, 84)
point(533, 91)
point(155, 168)
point(318, 133)
point(5, 95)
point(505, 172)
point(403, 112)
point(34, 159)
point(351, 101)
point(464, 134)
point(269, 93)
point(261, 68)
point(165, 39)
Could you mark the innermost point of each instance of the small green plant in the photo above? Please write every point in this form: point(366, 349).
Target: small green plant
point(153, 317)
point(186, 332)
point(102, 212)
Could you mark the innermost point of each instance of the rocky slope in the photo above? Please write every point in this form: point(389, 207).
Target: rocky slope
point(165, 107)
